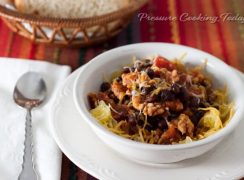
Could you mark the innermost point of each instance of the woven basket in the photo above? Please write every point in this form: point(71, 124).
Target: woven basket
point(78, 32)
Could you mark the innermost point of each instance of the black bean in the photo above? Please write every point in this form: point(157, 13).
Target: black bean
point(173, 115)
point(147, 61)
point(183, 94)
point(140, 122)
point(211, 98)
point(205, 83)
point(153, 121)
point(150, 73)
point(132, 69)
point(140, 117)
point(175, 88)
point(112, 96)
point(146, 90)
point(120, 112)
point(157, 74)
point(162, 124)
point(167, 95)
point(182, 79)
point(193, 102)
point(92, 101)
point(118, 79)
point(145, 65)
point(148, 127)
point(204, 104)
point(132, 129)
point(126, 70)
point(126, 99)
point(105, 86)
point(138, 66)
point(196, 116)
point(132, 119)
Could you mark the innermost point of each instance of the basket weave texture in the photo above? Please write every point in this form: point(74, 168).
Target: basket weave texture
point(78, 32)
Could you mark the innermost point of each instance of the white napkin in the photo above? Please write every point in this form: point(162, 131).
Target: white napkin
point(12, 120)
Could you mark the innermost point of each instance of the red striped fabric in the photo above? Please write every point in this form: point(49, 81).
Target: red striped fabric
point(224, 39)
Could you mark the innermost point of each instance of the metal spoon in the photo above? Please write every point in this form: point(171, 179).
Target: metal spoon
point(29, 92)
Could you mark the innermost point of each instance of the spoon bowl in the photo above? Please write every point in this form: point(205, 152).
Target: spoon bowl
point(30, 90)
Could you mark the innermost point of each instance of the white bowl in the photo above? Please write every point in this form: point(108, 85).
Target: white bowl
point(92, 75)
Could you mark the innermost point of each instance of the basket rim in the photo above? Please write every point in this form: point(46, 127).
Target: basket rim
point(133, 6)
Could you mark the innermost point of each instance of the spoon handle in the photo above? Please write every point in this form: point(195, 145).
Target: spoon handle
point(28, 168)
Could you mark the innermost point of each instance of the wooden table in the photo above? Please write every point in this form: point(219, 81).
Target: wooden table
point(203, 24)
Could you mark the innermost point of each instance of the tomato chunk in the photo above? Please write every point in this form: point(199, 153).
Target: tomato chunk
point(162, 62)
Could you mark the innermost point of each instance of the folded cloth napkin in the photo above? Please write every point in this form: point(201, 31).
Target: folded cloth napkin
point(47, 156)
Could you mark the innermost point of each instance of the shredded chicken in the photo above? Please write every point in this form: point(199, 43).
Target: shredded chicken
point(143, 77)
point(129, 79)
point(119, 90)
point(137, 102)
point(175, 105)
point(153, 109)
point(185, 126)
point(169, 136)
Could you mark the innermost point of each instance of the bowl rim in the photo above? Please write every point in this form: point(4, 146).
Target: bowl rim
point(97, 126)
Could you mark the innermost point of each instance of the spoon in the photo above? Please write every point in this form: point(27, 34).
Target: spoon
point(29, 92)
